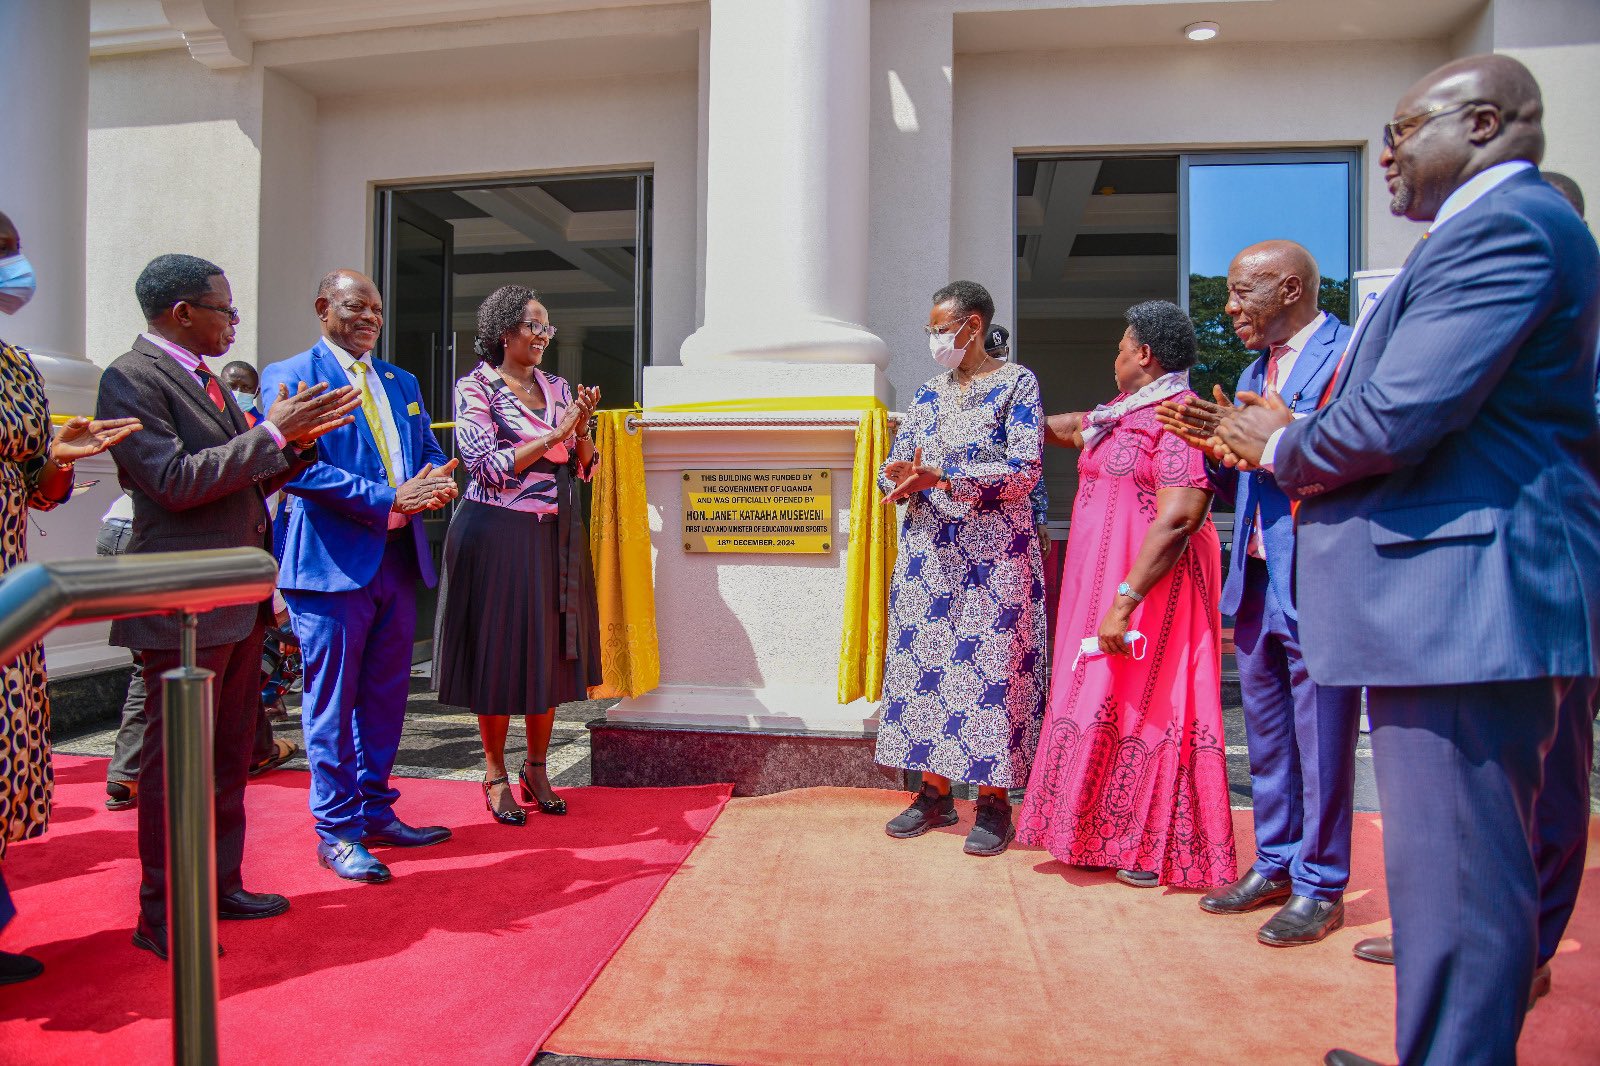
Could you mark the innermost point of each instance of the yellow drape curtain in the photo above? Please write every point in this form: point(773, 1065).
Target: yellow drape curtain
point(868, 565)
point(619, 542)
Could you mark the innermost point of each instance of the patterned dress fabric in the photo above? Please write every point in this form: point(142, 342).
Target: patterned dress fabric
point(25, 775)
point(963, 683)
point(491, 424)
point(1132, 766)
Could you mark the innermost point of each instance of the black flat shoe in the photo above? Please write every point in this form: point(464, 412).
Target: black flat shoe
point(1246, 894)
point(930, 810)
point(243, 906)
point(1303, 920)
point(153, 938)
point(505, 811)
point(555, 806)
point(15, 969)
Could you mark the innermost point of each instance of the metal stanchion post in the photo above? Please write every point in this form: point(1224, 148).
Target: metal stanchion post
point(186, 707)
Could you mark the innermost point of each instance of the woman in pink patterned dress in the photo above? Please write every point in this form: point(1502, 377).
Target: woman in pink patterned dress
point(1131, 770)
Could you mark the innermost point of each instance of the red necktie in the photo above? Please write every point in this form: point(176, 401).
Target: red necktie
point(1278, 352)
point(213, 389)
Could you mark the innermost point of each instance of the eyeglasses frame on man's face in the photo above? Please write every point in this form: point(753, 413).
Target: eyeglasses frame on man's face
point(1393, 133)
point(231, 312)
point(540, 329)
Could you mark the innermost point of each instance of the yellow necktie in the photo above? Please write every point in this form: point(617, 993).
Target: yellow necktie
point(369, 407)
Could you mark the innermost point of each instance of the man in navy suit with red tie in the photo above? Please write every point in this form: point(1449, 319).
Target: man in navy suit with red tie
point(1301, 735)
point(1449, 549)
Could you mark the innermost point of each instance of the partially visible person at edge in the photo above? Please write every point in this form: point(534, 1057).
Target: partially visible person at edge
point(199, 478)
point(998, 345)
point(1301, 735)
point(1142, 556)
point(521, 632)
point(1569, 189)
point(353, 554)
point(1458, 447)
point(963, 681)
point(35, 471)
point(1566, 767)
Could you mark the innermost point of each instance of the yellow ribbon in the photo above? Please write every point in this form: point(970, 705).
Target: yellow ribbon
point(774, 403)
point(619, 542)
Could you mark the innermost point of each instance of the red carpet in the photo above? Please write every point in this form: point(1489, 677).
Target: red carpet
point(473, 953)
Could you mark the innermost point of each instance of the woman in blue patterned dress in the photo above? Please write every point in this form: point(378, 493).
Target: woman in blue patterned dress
point(963, 684)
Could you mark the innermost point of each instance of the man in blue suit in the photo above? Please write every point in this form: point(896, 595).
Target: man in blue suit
point(1301, 735)
point(1449, 544)
point(352, 554)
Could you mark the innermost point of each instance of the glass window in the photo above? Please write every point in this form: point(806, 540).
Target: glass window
point(1232, 202)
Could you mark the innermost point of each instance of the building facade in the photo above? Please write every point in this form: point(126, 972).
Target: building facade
point(762, 194)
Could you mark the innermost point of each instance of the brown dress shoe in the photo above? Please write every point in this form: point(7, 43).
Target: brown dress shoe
point(1541, 985)
point(1379, 949)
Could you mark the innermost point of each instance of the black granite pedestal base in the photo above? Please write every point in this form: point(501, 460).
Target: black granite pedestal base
point(87, 701)
point(758, 763)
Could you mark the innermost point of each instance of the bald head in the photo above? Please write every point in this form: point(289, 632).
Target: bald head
point(350, 309)
point(1272, 293)
point(1458, 121)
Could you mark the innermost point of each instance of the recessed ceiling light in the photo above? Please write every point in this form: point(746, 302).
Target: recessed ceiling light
point(1201, 31)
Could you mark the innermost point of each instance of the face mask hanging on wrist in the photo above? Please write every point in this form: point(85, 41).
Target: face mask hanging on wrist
point(1090, 648)
point(16, 283)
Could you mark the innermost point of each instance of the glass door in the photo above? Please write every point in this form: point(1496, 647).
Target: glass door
point(417, 251)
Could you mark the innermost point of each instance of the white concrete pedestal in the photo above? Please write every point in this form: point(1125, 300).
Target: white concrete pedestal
point(749, 641)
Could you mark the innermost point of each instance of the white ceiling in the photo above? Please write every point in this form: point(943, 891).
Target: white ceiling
point(1145, 24)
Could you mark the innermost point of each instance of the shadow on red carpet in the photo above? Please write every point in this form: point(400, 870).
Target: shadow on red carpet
point(474, 952)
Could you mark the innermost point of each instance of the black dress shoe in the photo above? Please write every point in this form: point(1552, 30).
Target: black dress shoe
point(153, 938)
point(1340, 1057)
point(242, 906)
point(1302, 920)
point(1246, 894)
point(15, 969)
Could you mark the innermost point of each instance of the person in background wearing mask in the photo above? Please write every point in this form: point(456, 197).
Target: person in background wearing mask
point(241, 379)
point(35, 471)
point(998, 346)
point(963, 684)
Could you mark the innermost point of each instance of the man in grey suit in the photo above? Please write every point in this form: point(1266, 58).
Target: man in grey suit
point(199, 477)
point(1449, 547)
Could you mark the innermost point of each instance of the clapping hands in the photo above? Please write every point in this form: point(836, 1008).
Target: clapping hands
point(910, 477)
point(79, 437)
point(1234, 436)
point(575, 420)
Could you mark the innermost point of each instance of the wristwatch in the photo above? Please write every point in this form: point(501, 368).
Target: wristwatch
point(1126, 589)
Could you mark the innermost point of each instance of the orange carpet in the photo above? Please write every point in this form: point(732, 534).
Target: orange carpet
point(799, 933)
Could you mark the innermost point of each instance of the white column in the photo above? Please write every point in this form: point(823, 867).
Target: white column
point(786, 197)
point(44, 76)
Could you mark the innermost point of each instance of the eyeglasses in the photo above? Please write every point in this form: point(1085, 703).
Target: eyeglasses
point(231, 312)
point(935, 331)
point(1395, 132)
point(540, 329)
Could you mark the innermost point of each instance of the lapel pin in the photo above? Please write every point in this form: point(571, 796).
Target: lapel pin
point(389, 374)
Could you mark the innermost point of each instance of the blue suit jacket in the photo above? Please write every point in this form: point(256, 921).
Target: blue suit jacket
point(1451, 526)
point(1308, 380)
point(336, 525)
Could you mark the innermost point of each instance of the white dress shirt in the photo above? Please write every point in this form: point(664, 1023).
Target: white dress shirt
point(1466, 194)
point(391, 430)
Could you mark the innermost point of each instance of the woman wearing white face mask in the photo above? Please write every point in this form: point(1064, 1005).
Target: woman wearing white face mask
point(35, 471)
point(963, 684)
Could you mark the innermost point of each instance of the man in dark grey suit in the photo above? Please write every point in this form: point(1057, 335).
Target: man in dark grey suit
point(1449, 548)
point(199, 477)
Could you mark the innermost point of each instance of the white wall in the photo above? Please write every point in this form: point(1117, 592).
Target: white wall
point(640, 122)
point(174, 166)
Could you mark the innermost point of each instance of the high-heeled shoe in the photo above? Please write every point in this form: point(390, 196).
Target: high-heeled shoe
point(555, 806)
point(506, 812)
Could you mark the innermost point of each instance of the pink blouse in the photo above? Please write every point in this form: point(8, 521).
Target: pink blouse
point(492, 423)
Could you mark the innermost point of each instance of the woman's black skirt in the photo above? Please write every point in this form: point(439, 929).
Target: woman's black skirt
point(506, 645)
